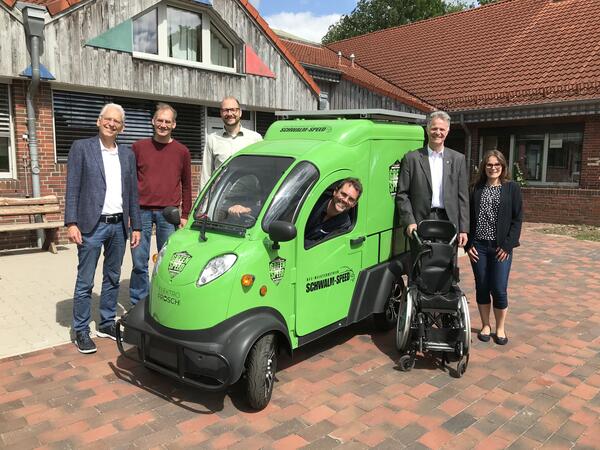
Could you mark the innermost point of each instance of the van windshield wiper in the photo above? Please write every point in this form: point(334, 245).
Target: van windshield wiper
point(204, 223)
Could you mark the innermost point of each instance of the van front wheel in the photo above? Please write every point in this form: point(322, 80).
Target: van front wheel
point(261, 366)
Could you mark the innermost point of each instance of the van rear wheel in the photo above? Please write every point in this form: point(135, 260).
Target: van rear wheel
point(387, 319)
point(261, 366)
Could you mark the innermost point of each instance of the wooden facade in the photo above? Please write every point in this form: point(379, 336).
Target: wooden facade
point(83, 67)
point(348, 95)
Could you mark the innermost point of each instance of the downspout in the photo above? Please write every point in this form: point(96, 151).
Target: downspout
point(33, 19)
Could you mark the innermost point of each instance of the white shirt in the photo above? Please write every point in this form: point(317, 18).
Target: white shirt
point(220, 146)
point(113, 200)
point(436, 165)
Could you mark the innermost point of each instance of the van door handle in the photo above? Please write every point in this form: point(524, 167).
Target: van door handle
point(357, 241)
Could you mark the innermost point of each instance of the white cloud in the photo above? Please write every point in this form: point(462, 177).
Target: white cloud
point(303, 24)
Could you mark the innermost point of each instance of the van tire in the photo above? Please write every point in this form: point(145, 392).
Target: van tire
point(387, 319)
point(261, 366)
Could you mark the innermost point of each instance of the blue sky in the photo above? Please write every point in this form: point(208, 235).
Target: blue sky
point(308, 19)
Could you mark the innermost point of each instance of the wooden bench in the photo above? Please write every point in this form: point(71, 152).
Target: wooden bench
point(18, 207)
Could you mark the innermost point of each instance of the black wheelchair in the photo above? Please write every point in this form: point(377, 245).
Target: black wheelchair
point(433, 314)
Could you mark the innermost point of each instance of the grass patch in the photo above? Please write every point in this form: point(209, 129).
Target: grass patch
point(581, 232)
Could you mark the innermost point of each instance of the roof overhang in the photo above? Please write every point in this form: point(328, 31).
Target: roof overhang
point(521, 112)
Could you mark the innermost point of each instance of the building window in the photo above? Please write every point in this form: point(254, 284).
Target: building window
point(7, 153)
point(545, 155)
point(75, 115)
point(145, 35)
point(221, 51)
point(183, 36)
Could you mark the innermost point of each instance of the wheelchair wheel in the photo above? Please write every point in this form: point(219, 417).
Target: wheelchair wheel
point(461, 367)
point(405, 313)
point(406, 363)
point(466, 320)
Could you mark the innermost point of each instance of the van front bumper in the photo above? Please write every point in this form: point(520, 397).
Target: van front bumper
point(193, 357)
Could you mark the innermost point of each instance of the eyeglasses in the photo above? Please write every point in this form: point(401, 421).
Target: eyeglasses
point(113, 121)
point(492, 166)
point(229, 110)
point(163, 122)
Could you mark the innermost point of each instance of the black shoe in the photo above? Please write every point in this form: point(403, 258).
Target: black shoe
point(483, 337)
point(84, 343)
point(500, 340)
point(109, 331)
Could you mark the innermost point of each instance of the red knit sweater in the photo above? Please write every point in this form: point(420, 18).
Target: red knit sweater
point(164, 175)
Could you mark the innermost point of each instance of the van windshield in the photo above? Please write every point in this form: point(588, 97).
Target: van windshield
point(236, 196)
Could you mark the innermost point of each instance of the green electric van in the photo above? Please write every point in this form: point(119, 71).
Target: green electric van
point(230, 291)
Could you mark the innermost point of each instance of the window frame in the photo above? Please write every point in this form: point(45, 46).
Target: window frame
point(544, 132)
point(11, 174)
point(207, 23)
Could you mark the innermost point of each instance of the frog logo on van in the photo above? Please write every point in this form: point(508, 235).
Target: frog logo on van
point(178, 262)
point(393, 180)
point(277, 270)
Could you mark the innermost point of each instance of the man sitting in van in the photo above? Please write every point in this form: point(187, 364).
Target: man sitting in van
point(331, 214)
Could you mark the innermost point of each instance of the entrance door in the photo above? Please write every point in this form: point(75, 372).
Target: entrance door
point(328, 269)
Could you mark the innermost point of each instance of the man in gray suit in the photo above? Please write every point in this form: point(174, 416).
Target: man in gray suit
point(432, 183)
point(100, 202)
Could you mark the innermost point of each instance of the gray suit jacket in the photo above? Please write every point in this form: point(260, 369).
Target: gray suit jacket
point(86, 186)
point(413, 196)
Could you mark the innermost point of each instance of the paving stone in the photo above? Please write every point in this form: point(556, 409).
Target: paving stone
point(541, 390)
point(459, 422)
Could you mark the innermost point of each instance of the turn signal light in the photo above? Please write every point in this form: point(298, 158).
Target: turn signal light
point(263, 291)
point(247, 280)
point(155, 258)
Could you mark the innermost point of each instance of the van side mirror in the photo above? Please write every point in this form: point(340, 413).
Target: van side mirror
point(171, 215)
point(280, 231)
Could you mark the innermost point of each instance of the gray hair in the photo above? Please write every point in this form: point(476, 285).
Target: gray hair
point(438, 115)
point(115, 106)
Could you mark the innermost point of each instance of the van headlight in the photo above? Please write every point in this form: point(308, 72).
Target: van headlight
point(215, 268)
point(159, 259)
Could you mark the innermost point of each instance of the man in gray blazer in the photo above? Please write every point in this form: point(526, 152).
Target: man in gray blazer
point(100, 203)
point(433, 182)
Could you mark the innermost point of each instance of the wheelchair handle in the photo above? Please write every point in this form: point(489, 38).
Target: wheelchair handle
point(420, 241)
point(417, 237)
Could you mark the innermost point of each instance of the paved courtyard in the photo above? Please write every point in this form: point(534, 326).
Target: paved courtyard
point(541, 390)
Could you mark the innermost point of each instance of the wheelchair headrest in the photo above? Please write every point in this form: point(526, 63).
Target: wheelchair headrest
point(436, 229)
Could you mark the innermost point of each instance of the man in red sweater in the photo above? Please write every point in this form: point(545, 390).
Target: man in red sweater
point(164, 179)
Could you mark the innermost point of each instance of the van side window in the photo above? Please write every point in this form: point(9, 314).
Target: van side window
point(291, 194)
point(325, 221)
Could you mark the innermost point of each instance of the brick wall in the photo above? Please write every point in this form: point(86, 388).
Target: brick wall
point(566, 206)
point(590, 156)
point(52, 176)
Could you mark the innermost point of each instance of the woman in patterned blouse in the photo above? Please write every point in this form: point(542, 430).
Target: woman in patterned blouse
point(496, 217)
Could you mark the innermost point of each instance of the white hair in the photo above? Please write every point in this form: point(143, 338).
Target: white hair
point(115, 106)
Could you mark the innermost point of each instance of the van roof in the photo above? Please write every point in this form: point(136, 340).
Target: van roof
point(348, 132)
point(377, 114)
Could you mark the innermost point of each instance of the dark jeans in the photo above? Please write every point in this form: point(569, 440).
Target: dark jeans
point(491, 275)
point(139, 283)
point(112, 237)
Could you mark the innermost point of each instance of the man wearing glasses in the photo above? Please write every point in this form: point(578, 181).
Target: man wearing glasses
point(221, 145)
point(100, 203)
point(164, 179)
point(432, 183)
